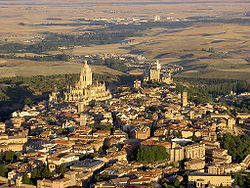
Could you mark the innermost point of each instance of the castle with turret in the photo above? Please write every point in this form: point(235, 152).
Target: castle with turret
point(155, 75)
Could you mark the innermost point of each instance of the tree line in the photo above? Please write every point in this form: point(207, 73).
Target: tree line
point(203, 90)
point(58, 57)
point(54, 40)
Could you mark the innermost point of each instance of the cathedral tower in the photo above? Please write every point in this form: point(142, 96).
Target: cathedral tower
point(86, 76)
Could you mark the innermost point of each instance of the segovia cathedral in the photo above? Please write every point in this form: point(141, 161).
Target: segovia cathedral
point(85, 91)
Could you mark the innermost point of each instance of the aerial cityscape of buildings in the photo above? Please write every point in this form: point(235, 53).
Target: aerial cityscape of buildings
point(85, 137)
point(124, 94)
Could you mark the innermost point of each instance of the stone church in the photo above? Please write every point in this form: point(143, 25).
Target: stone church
point(85, 91)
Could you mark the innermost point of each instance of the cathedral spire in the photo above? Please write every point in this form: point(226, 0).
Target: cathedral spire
point(86, 76)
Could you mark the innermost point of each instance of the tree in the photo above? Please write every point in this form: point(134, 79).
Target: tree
point(45, 173)
point(107, 144)
point(177, 183)
point(26, 179)
point(103, 177)
point(85, 156)
point(28, 101)
point(241, 180)
point(35, 174)
point(195, 138)
point(238, 146)
point(63, 131)
point(100, 151)
point(40, 173)
point(149, 116)
point(138, 100)
point(3, 171)
point(62, 169)
point(108, 127)
point(179, 134)
point(11, 156)
point(148, 155)
point(165, 185)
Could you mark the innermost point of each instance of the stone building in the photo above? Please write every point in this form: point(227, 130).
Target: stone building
point(85, 91)
point(184, 98)
point(246, 162)
point(54, 96)
point(88, 165)
point(12, 143)
point(213, 169)
point(176, 154)
point(2, 127)
point(167, 78)
point(137, 84)
point(69, 180)
point(231, 123)
point(220, 156)
point(195, 164)
point(199, 180)
point(141, 132)
point(191, 114)
point(195, 151)
point(155, 75)
point(157, 18)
